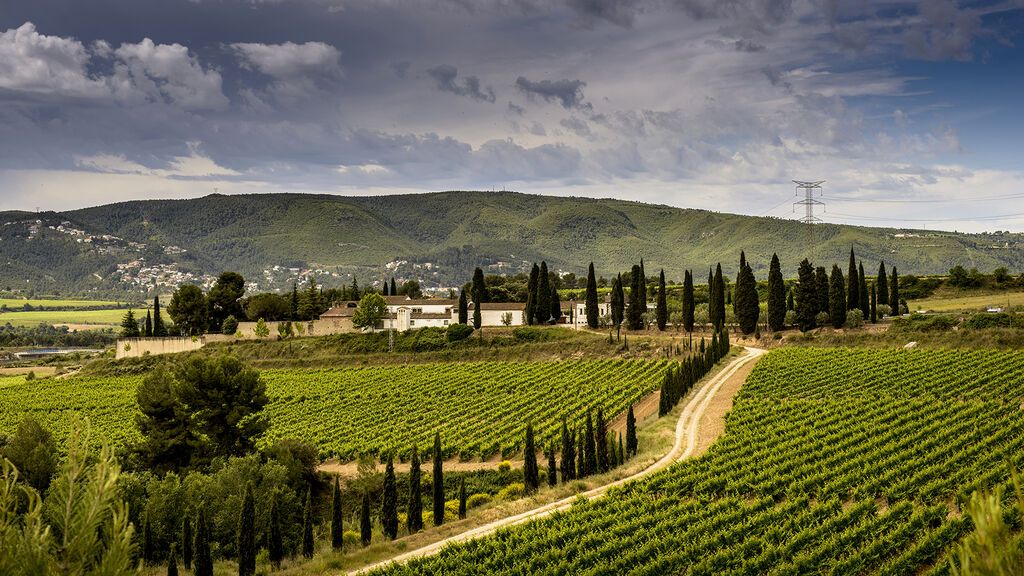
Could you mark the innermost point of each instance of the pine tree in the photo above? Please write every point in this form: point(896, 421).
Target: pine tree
point(631, 440)
point(531, 475)
point(806, 296)
point(894, 293)
point(337, 529)
point(601, 437)
point(837, 298)
point(438, 480)
point(203, 561)
point(552, 468)
point(186, 542)
point(130, 325)
point(159, 330)
point(661, 306)
point(853, 284)
point(247, 535)
point(618, 302)
point(365, 527)
point(635, 309)
point(823, 289)
point(172, 560)
point(689, 306)
point(463, 308)
point(776, 296)
point(591, 300)
point(591, 448)
point(862, 292)
point(414, 518)
point(307, 526)
point(543, 311)
point(883, 284)
point(874, 303)
point(462, 498)
point(531, 294)
point(275, 542)
point(643, 286)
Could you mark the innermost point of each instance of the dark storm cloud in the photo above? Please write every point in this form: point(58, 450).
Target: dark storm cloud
point(446, 75)
point(568, 93)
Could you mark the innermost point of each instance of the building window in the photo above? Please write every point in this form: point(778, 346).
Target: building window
point(417, 310)
point(412, 322)
point(445, 322)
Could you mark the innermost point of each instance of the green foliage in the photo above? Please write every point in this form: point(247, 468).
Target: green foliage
point(275, 536)
point(247, 535)
point(389, 502)
point(189, 310)
point(462, 499)
point(203, 561)
point(635, 308)
point(590, 304)
point(837, 298)
point(661, 306)
point(261, 330)
point(229, 326)
point(746, 305)
point(437, 458)
point(689, 305)
point(308, 520)
point(169, 441)
point(371, 310)
point(806, 297)
point(776, 305)
point(223, 299)
point(268, 306)
point(32, 451)
point(530, 470)
point(130, 326)
point(365, 528)
point(631, 439)
point(414, 520)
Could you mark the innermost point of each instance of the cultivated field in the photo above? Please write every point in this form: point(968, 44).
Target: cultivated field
point(481, 409)
point(14, 303)
point(969, 303)
point(74, 318)
point(838, 461)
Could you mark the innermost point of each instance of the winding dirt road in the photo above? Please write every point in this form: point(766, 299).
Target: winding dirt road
point(687, 441)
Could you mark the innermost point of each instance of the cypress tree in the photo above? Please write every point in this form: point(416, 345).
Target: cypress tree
point(414, 518)
point(661, 307)
point(874, 303)
point(384, 291)
point(776, 296)
point(790, 302)
point(293, 312)
point(203, 561)
point(337, 530)
point(531, 294)
point(462, 498)
point(148, 545)
point(556, 306)
point(581, 454)
point(719, 283)
point(806, 297)
point(186, 543)
point(631, 440)
point(307, 526)
point(643, 286)
point(566, 456)
point(601, 436)
point(712, 307)
point(591, 448)
point(477, 319)
point(172, 560)
point(479, 286)
point(618, 303)
point(862, 292)
point(621, 458)
point(837, 298)
point(365, 528)
point(275, 543)
point(463, 308)
point(591, 299)
point(394, 289)
point(438, 480)
point(147, 328)
point(894, 293)
point(883, 284)
point(635, 309)
point(823, 290)
point(531, 475)
point(247, 535)
point(552, 468)
point(389, 501)
point(747, 307)
point(159, 330)
point(543, 295)
point(689, 306)
point(853, 284)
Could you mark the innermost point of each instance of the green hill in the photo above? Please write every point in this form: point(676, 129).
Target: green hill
point(453, 231)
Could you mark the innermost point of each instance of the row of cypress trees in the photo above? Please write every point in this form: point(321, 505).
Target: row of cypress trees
point(542, 303)
point(819, 291)
point(592, 448)
point(680, 377)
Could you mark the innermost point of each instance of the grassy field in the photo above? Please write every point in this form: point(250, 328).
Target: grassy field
point(74, 318)
point(839, 461)
point(968, 303)
point(14, 303)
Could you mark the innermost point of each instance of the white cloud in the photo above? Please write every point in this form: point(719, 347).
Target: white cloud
point(193, 165)
point(169, 71)
point(40, 64)
point(290, 60)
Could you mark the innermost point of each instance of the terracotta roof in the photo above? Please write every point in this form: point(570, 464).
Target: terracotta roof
point(405, 301)
point(339, 312)
point(501, 306)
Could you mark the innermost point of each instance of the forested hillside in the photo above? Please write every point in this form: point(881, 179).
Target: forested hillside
point(452, 231)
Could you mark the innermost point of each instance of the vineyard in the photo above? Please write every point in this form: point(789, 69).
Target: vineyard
point(834, 461)
point(480, 409)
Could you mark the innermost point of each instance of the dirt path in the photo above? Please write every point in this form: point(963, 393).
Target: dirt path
point(689, 431)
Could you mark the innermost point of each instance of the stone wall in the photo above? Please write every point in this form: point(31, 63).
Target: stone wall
point(136, 347)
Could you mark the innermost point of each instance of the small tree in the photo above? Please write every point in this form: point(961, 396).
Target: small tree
point(307, 525)
point(506, 319)
point(229, 326)
point(371, 310)
point(261, 330)
point(337, 529)
point(414, 518)
point(389, 501)
point(631, 440)
point(776, 296)
point(247, 535)
point(129, 325)
point(462, 498)
point(531, 475)
point(189, 310)
point(365, 527)
point(438, 480)
point(590, 304)
point(275, 541)
point(203, 561)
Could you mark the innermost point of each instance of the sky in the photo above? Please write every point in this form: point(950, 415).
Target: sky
point(910, 111)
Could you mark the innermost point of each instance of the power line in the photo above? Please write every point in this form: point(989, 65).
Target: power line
point(960, 219)
point(930, 201)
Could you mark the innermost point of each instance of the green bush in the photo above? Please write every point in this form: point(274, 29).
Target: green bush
point(996, 320)
point(229, 326)
point(475, 500)
point(924, 323)
point(457, 332)
point(513, 491)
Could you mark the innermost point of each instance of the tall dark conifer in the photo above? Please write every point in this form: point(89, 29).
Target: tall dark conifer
point(661, 307)
point(568, 454)
point(477, 318)
point(852, 284)
point(581, 453)
point(531, 294)
point(874, 303)
point(394, 289)
point(147, 328)
point(172, 560)
point(463, 307)
point(531, 475)
point(719, 296)
point(591, 299)
point(203, 561)
point(414, 518)
point(389, 501)
point(365, 526)
point(824, 288)
point(337, 528)
point(307, 526)
point(275, 539)
point(776, 296)
point(479, 286)
point(862, 292)
point(438, 480)
point(618, 302)
point(591, 447)
point(247, 535)
point(635, 309)
point(148, 544)
point(631, 440)
point(746, 305)
point(552, 473)
point(601, 437)
point(806, 296)
point(543, 311)
point(643, 286)
point(894, 293)
point(837, 298)
point(159, 330)
point(689, 306)
point(883, 284)
point(556, 306)
point(462, 498)
point(186, 542)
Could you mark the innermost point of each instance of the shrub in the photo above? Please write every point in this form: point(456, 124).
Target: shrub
point(924, 323)
point(505, 467)
point(229, 326)
point(883, 310)
point(790, 317)
point(458, 332)
point(476, 500)
point(854, 318)
point(998, 320)
point(351, 540)
point(513, 491)
point(821, 319)
point(429, 339)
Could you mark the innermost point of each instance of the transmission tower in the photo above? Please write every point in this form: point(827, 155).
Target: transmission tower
point(808, 202)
